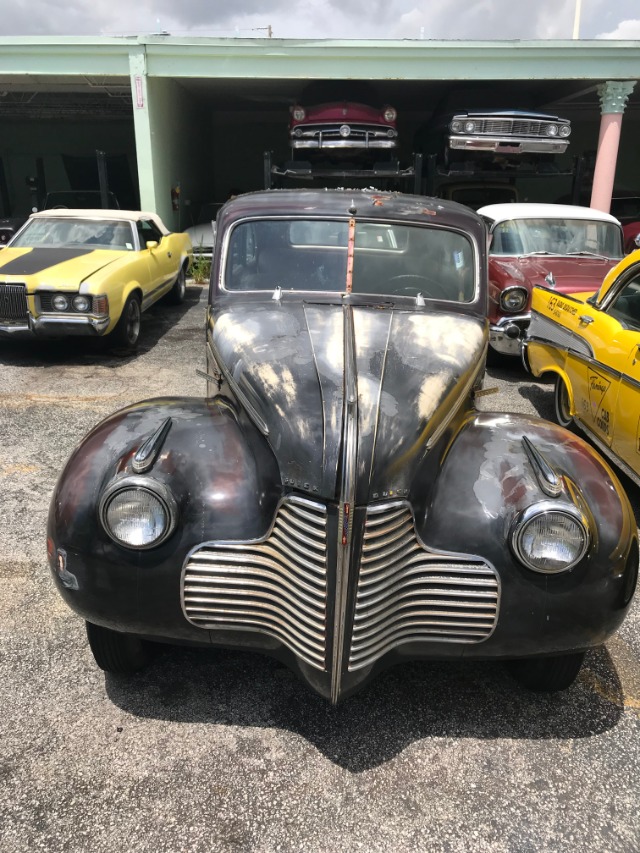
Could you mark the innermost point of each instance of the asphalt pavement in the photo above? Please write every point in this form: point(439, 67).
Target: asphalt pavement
point(211, 751)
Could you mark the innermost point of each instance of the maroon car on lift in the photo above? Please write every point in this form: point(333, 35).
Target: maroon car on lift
point(346, 119)
point(561, 246)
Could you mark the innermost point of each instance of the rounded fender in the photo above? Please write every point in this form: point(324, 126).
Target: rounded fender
point(220, 471)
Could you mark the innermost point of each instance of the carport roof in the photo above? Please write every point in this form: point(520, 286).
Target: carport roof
point(94, 74)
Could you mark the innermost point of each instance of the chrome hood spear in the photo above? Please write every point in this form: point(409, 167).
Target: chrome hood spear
point(286, 365)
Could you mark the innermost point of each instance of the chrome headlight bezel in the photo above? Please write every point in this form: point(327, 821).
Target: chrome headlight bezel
point(537, 511)
point(511, 291)
point(152, 487)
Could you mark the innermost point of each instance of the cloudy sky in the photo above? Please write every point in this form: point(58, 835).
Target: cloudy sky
point(350, 19)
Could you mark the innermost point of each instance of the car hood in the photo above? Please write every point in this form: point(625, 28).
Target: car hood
point(571, 274)
point(200, 235)
point(286, 364)
point(57, 267)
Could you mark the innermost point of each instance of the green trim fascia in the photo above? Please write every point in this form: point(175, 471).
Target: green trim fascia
point(172, 56)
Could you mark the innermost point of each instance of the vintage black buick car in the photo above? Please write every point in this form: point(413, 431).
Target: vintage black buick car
point(336, 500)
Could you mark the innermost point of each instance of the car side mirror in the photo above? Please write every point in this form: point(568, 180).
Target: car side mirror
point(152, 244)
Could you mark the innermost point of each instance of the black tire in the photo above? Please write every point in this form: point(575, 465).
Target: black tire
point(561, 404)
point(547, 675)
point(127, 331)
point(114, 652)
point(177, 293)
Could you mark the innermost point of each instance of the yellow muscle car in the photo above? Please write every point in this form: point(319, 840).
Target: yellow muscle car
point(591, 342)
point(89, 272)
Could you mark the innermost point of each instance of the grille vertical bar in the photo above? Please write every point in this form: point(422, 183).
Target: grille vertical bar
point(406, 594)
point(13, 303)
point(277, 585)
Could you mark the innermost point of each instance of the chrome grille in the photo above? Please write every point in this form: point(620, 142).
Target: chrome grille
point(277, 585)
point(13, 304)
point(512, 127)
point(406, 594)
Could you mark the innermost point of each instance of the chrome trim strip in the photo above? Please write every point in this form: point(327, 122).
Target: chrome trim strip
point(147, 453)
point(545, 331)
point(548, 479)
point(347, 498)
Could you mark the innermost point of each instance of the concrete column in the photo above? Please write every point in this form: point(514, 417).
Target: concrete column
point(613, 100)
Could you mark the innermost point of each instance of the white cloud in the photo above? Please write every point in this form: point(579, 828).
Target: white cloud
point(626, 30)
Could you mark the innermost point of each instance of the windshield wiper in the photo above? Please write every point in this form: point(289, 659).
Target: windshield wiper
point(590, 255)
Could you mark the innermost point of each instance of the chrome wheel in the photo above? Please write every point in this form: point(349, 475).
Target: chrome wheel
point(127, 331)
point(179, 289)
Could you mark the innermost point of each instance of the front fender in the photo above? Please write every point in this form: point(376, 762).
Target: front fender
point(220, 471)
point(486, 480)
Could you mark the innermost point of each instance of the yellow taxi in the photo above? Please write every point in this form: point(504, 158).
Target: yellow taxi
point(591, 343)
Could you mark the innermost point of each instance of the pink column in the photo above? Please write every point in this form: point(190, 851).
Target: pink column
point(613, 100)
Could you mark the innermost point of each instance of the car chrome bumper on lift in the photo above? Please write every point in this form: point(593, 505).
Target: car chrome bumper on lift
point(517, 145)
point(343, 143)
point(47, 326)
point(506, 336)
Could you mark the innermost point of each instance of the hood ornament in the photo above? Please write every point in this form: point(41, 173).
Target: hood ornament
point(550, 279)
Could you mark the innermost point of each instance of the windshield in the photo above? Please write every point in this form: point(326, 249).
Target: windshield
point(52, 231)
point(388, 258)
point(556, 237)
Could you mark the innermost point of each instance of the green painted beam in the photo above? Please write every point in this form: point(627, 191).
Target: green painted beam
point(168, 56)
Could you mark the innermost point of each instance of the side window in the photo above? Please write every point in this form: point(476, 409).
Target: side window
point(147, 231)
point(626, 306)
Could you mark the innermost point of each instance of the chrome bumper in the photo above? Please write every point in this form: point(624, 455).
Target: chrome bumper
point(517, 145)
point(506, 336)
point(47, 326)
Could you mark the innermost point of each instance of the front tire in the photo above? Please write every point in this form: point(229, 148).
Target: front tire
point(561, 403)
point(177, 293)
point(122, 654)
point(547, 675)
point(127, 331)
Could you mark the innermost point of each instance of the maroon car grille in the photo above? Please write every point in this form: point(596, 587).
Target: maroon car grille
point(13, 304)
point(406, 594)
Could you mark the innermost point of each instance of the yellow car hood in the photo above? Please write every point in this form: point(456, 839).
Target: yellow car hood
point(56, 267)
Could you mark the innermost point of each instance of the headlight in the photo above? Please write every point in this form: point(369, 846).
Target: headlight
point(469, 126)
point(298, 114)
point(456, 126)
point(390, 114)
point(81, 303)
point(548, 539)
point(514, 299)
point(60, 302)
point(551, 130)
point(138, 512)
point(565, 130)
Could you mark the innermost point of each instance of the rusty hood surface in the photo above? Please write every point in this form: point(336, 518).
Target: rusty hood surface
point(286, 365)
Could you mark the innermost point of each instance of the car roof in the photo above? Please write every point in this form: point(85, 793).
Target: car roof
point(100, 213)
point(524, 210)
point(344, 203)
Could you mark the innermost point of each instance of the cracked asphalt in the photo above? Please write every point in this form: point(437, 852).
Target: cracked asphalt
point(212, 751)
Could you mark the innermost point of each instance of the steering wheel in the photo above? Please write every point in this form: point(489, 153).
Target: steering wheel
point(420, 284)
point(59, 207)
